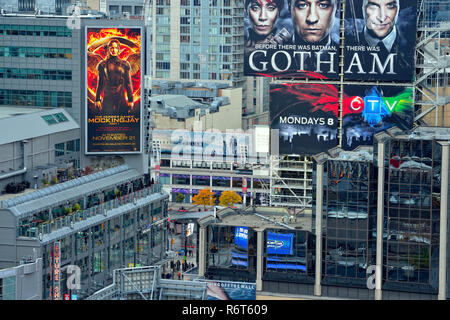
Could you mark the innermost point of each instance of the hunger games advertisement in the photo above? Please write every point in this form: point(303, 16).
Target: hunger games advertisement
point(368, 110)
point(306, 116)
point(113, 82)
point(380, 38)
point(292, 38)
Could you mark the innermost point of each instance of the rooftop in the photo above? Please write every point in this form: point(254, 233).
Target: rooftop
point(181, 107)
point(425, 133)
point(62, 192)
point(260, 219)
point(33, 123)
point(362, 153)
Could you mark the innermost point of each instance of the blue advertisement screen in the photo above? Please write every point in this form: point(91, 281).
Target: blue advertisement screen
point(279, 243)
point(286, 266)
point(241, 237)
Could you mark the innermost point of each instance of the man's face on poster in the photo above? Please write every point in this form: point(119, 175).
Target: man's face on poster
point(263, 15)
point(380, 16)
point(114, 48)
point(313, 19)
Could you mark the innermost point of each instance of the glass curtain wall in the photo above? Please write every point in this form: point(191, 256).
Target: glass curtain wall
point(232, 248)
point(412, 214)
point(349, 220)
point(288, 255)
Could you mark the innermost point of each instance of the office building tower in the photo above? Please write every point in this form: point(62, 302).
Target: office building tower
point(391, 221)
point(201, 40)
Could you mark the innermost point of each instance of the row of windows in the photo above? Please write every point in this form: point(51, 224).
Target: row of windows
point(55, 118)
point(66, 148)
point(138, 10)
point(8, 288)
point(163, 65)
point(36, 98)
point(35, 52)
point(197, 3)
point(38, 74)
point(212, 76)
point(35, 30)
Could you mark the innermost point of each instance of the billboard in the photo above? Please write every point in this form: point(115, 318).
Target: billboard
point(380, 37)
point(241, 237)
point(279, 243)
point(113, 90)
point(292, 38)
point(57, 270)
point(230, 290)
point(306, 116)
point(368, 110)
point(239, 256)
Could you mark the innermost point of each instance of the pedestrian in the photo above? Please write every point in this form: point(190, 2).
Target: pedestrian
point(178, 265)
point(171, 264)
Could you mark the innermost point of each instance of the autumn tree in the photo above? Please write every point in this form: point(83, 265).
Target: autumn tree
point(229, 198)
point(179, 197)
point(205, 198)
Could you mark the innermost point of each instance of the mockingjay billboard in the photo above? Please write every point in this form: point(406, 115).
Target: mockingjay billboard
point(292, 38)
point(368, 110)
point(380, 37)
point(113, 90)
point(306, 116)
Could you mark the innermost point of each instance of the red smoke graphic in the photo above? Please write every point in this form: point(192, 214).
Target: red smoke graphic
point(321, 96)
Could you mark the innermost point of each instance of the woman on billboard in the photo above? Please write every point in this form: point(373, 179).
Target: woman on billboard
point(263, 15)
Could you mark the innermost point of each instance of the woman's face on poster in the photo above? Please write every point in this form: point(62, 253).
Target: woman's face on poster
point(263, 15)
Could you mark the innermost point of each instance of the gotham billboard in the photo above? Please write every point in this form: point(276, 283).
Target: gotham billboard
point(306, 116)
point(380, 37)
point(292, 38)
point(113, 90)
point(368, 110)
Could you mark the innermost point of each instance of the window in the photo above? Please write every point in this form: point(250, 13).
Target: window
point(8, 288)
point(60, 117)
point(114, 9)
point(31, 30)
point(126, 9)
point(49, 119)
point(70, 146)
point(36, 52)
point(59, 149)
point(36, 98)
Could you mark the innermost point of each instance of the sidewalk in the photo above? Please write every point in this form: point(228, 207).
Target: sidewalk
point(188, 206)
point(177, 246)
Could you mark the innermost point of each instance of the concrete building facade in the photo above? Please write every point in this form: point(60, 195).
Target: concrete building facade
point(97, 223)
point(23, 282)
point(46, 146)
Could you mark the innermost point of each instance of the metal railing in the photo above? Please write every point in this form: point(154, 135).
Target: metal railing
point(70, 220)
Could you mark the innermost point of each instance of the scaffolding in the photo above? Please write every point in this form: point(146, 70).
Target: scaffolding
point(432, 63)
point(145, 283)
point(432, 100)
point(291, 179)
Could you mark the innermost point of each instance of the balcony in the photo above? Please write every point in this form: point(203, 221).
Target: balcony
point(47, 227)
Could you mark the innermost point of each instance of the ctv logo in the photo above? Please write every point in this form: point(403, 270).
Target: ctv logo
point(370, 104)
